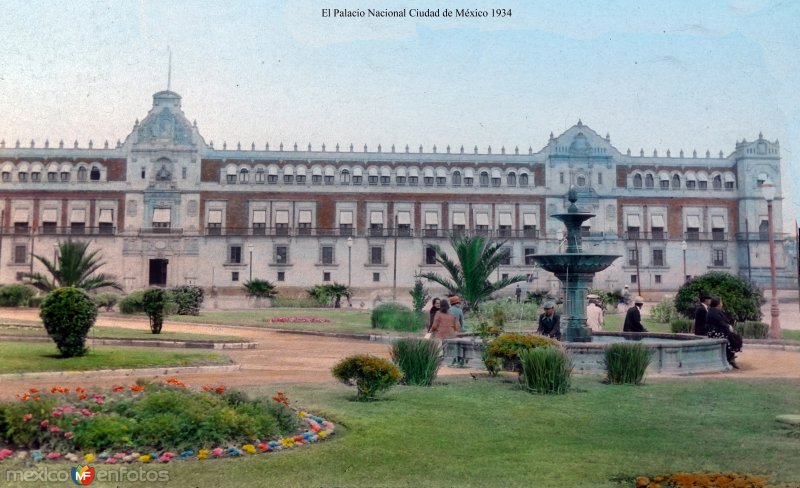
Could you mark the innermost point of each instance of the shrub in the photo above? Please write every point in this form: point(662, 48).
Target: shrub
point(752, 329)
point(536, 296)
point(681, 326)
point(188, 299)
point(664, 311)
point(740, 297)
point(372, 375)
point(16, 295)
point(504, 351)
point(35, 302)
point(419, 295)
point(154, 302)
point(99, 432)
point(258, 288)
point(545, 370)
point(107, 300)
point(418, 359)
point(132, 303)
point(394, 316)
point(68, 314)
point(608, 300)
point(626, 363)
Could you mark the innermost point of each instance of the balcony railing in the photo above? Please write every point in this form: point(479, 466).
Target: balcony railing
point(646, 236)
point(759, 236)
point(371, 232)
point(706, 236)
point(61, 231)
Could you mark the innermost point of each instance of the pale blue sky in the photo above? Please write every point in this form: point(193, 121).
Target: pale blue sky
point(655, 75)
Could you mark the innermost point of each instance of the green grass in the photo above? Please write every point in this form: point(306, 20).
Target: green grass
point(102, 332)
point(341, 320)
point(18, 357)
point(489, 433)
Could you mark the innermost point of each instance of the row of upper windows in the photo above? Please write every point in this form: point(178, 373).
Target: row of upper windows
point(53, 173)
point(401, 177)
point(690, 181)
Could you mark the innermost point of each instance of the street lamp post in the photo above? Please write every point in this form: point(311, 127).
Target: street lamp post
point(250, 248)
point(683, 247)
point(768, 189)
point(349, 260)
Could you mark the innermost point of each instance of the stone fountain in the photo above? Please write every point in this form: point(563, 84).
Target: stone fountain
point(575, 270)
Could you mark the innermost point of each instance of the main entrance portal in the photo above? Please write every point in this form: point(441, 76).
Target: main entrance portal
point(158, 272)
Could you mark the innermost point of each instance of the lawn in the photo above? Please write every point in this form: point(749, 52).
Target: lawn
point(341, 320)
point(103, 332)
point(487, 433)
point(16, 357)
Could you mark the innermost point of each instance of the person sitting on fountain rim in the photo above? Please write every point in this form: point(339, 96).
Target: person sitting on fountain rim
point(549, 321)
point(701, 313)
point(718, 326)
point(633, 318)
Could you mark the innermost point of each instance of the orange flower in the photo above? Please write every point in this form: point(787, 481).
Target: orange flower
point(137, 388)
point(33, 390)
point(206, 387)
point(220, 389)
point(83, 396)
point(78, 389)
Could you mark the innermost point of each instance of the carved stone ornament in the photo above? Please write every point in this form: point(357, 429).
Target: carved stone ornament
point(164, 127)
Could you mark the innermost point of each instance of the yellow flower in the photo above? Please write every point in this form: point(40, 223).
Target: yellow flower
point(249, 448)
point(202, 454)
point(145, 458)
point(88, 457)
point(322, 434)
point(302, 413)
point(287, 442)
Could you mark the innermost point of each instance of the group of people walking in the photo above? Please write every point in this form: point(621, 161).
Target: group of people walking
point(712, 320)
point(446, 317)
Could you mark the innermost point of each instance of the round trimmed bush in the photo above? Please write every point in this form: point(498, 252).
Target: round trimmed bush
point(371, 375)
point(68, 314)
point(740, 297)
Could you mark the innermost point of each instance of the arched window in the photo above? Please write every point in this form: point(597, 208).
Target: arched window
point(637, 181)
point(676, 182)
point(94, 174)
point(484, 179)
point(244, 175)
point(260, 175)
point(456, 178)
point(344, 177)
point(523, 179)
point(511, 179)
point(717, 182)
point(82, 174)
point(649, 182)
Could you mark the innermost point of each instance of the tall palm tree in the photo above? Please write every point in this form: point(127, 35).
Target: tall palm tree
point(478, 257)
point(74, 267)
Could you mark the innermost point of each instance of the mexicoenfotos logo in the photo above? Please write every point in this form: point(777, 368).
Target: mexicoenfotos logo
point(82, 475)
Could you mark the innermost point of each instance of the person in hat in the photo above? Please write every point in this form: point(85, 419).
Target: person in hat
point(701, 314)
point(594, 313)
point(633, 318)
point(445, 325)
point(549, 321)
point(455, 309)
point(719, 326)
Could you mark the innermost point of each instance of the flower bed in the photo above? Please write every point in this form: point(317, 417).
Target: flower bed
point(149, 422)
point(298, 320)
point(700, 480)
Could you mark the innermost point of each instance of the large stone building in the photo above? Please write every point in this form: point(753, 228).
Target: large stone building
point(167, 208)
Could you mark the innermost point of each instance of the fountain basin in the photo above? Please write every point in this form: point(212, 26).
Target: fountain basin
point(673, 354)
point(574, 262)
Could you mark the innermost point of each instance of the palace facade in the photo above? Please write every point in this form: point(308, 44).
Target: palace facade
point(166, 208)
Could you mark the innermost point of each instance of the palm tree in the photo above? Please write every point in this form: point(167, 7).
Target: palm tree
point(478, 257)
point(73, 267)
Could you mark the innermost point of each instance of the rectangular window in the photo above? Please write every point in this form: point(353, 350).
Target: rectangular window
point(183, 172)
point(37, 177)
point(281, 275)
point(215, 222)
point(718, 257)
point(428, 180)
point(400, 180)
point(49, 228)
point(372, 179)
point(633, 257)
point(691, 184)
point(505, 259)
point(529, 252)
point(288, 179)
point(413, 180)
point(441, 181)
point(259, 222)
point(162, 218)
point(235, 255)
point(52, 177)
point(658, 279)
point(468, 180)
point(20, 227)
point(376, 277)
point(281, 255)
point(326, 276)
point(272, 179)
point(430, 255)
point(561, 178)
point(328, 179)
point(658, 257)
point(375, 255)
point(20, 254)
point(599, 178)
point(106, 221)
point(385, 180)
point(78, 228)
point(316, 179)
point(357, 179)
point(504, 276)
point(529, 225)
point(717, 228)
point(301, 179)
point(326, 254)
point(633, 279)
point(231, 179)
point(234, 276)
point(703, 185)
point(260, 176)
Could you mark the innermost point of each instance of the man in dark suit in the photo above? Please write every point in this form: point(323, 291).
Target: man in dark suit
point(633, 318)
point(549, 321)
point(701, 314)
point(718, 327)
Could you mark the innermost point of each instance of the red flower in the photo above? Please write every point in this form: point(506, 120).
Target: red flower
point(44, 423)
point(137, 388)
point(33, 390)
point(117, 388)
point(27, 417)
point(220, 389)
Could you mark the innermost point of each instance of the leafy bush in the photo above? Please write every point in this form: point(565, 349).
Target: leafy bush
point(740, 297)
point(132, 303)
point(258, 288)
point(68, 314)
point(99, 432)
point(504, 351)
point(418, 359)
point(681, 326)
point(608, 300)
point(752, 329)
point(16, 295)
point(372, 375)
point(154, 302)
point(419, 295)
point(536, 296)
point(35, 302)
point(188, 299)
point(394, 316)
point(107, 300)
point(545, 370)
point(664, 311)
point(626, 363)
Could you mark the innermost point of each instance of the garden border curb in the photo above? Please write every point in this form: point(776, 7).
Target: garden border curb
point(145, 343)
point(174, 370)
point(341, 335)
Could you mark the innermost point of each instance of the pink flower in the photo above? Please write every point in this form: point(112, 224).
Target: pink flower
point(86, 412)
point(57, 414)
point(53, 456)
point(217, 452)
point(68, 435)
point(119, 455)
point(98, 399)
point(27, 417)
point(111, 460)
point(55, 430)
point(5, 453)
point(44, 423)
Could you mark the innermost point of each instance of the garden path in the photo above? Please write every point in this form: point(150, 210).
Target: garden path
point(281, 359)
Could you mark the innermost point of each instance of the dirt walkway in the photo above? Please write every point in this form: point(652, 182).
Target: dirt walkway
point(281, 359)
